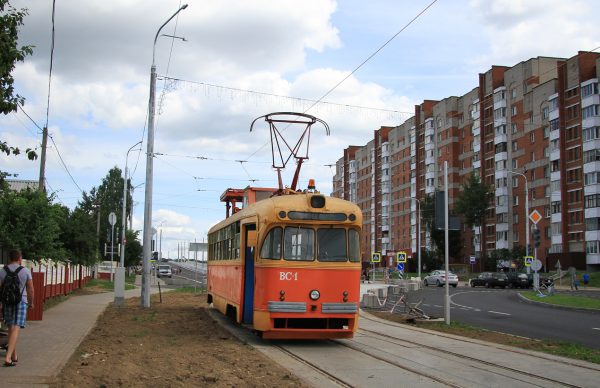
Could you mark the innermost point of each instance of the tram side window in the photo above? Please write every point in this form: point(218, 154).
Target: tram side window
point(353, 245)
point(332, 244)
point(271, 248)
point(299, 244)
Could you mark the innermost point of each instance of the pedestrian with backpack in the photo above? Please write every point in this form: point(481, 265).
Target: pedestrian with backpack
point(16, 296)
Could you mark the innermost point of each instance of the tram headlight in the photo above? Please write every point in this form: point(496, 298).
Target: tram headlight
point(314, 295)
point(317, 201)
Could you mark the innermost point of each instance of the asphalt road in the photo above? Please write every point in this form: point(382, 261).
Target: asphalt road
point(503, 311)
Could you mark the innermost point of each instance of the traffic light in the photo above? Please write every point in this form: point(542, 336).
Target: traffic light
point(376, 257)
point(536, 238)
point(401, 257)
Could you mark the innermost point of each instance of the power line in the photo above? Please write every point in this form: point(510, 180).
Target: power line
point(295, 99)
point(63, 163)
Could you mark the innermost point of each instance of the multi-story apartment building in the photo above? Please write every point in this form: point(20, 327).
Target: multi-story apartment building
point(531, 132)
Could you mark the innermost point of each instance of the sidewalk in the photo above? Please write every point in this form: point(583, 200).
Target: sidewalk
point(44, 347)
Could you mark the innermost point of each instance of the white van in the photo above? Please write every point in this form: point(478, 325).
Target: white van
point(164, 270)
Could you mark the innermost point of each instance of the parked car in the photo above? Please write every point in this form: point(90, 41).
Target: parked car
point(490, 279)
point(164, 270)
point(438, 278)
point(518, 280)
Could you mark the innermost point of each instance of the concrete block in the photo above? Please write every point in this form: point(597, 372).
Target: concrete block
point(370, 300)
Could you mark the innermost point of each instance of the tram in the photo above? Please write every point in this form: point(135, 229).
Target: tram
point(289, 266)
point(288, 263)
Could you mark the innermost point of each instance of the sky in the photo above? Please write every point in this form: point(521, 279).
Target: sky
point(241, 60)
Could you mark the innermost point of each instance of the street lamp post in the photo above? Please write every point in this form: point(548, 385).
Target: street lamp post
point(120, 275)
point(145, 296)
point(526, 213)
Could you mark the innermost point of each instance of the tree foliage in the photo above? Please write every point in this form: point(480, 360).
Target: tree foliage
point(10, 53)
point(437, 236)
point(473, 201)
point(29, 221)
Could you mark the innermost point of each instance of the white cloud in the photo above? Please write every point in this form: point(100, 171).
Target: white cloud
point(519, 30)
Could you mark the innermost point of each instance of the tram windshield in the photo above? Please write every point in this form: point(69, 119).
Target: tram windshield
point(299, 243)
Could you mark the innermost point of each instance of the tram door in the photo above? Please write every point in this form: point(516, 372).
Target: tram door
point(249, 249)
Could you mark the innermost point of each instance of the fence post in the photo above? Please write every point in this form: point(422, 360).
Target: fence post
point(36, 313)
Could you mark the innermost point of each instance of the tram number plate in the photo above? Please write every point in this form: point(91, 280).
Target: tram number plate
point(288, 275)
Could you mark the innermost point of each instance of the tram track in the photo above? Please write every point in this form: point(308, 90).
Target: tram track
point(313, 366)
point(477, 363)
point(564, 361)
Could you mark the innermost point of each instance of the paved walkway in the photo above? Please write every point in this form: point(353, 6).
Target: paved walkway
point(45, 346)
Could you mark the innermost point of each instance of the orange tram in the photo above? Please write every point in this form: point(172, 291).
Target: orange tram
point(287, 265)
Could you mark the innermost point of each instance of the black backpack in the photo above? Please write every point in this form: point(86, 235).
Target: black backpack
point(11, 293)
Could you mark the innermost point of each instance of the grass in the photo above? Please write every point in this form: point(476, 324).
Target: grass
point(109, 286)
point(564, 300)
point(558, 348)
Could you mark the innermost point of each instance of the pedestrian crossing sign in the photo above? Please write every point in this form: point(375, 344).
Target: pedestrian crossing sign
point(528, 261)
point(376, 257)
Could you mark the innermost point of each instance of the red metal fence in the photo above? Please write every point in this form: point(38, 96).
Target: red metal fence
point(55, 279)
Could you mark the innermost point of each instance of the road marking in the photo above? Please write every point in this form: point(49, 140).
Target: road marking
point(496, 312)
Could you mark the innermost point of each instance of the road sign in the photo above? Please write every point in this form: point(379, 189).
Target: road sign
point(528, 260)
point(472, 259)
point(535, 216)
point(536, 265)
point(400, 266)
point(112, 219)
point(376, 257)
point(401, 257)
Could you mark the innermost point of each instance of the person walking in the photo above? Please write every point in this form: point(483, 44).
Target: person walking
point(15, 315)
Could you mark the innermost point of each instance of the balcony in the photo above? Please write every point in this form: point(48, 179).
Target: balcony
point(430, 160)
point(500, 191)
point(477, 164)
point(477, 147)
point(556, 217)
point(555, 176)
point(591, 145)
point(592, 212)
point(500, 156)
point(591, 167)
point(593, 235)
point(553, 114)
point(556, 239)
point(500, 138)
point(501, 209)
point(555, 155)
point(593, 99)
point(554, 135)
point(503, 227)
point(502, 244)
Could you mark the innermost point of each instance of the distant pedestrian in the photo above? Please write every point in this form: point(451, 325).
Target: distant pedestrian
point(574, 282)
point(586, 279)
point(15, 315)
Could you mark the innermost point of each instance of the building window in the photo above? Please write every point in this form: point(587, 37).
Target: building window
point(573, 132)
point(532, 137)
point(514, 145)
point(515, 218)
point(591, 133)
point(591, 201)
point(545, 112)
point(514, 110)
point(515, 163)
point(555, 207)
point(514, 128)
point(554, 125)
point(589, 89)
point(499, 113)
point(591, 178)
point(515, 236)
point(515, 201)
point(590, 111)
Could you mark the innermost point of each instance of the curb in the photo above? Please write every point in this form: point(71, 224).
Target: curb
point(580, 309)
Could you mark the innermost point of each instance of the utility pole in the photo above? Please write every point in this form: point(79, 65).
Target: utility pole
point(42, 186)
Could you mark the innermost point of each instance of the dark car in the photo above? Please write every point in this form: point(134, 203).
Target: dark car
point(490, 279)
point(518, 280)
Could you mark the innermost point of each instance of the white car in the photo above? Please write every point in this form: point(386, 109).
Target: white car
point(439, 279)
point(164, 270)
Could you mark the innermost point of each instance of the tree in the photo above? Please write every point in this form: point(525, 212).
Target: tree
point(133, 248)
point(473, 201)
point(10, 21)
point(29, 221)
point(437, 236)
point(79, 236)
